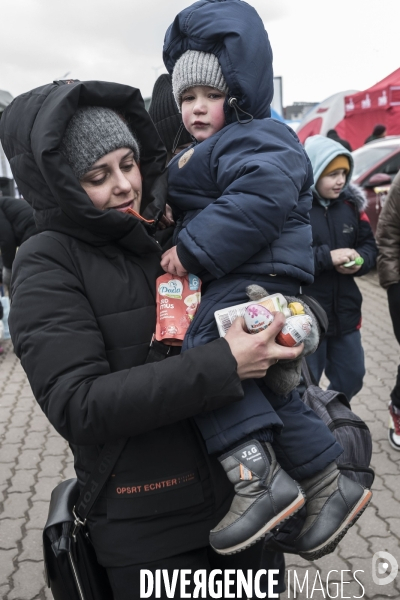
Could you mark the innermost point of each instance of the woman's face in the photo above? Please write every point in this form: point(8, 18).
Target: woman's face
point(114, 181)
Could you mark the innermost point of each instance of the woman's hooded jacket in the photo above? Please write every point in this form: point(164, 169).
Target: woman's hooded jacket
point(243, 196)
point(341, 223)
point(82, 317)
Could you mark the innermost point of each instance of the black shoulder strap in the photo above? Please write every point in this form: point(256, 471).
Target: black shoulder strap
point(98, 477)
point(318, 311)
point(308, 377)
point(110, 453)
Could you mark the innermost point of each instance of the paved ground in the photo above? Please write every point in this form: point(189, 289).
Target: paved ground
point(33, 459)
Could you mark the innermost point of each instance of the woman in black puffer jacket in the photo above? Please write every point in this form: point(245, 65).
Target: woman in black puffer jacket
point(83, 315)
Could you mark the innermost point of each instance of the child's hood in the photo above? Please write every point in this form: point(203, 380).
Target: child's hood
point(321, 151)
point(234, 32)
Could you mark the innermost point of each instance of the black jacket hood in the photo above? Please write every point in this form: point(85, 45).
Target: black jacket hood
point(31, 130)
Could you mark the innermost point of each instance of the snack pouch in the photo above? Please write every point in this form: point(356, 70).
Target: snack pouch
point(177, 301)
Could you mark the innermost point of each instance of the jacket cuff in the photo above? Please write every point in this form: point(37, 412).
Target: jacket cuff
point(232, 391)
point(322, 259)
point(188, 260)
point(327, 256)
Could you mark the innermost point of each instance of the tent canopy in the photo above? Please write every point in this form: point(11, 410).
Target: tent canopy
point(323, 117)
point(379, 104)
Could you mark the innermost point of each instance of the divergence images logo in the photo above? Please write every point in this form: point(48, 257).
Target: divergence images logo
point(381, 562)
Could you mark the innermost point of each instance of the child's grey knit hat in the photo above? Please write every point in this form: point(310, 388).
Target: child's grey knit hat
point(197, 68)
point(93, 132)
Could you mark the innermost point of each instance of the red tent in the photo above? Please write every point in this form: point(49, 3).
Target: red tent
point(324, 116)
point(380, 104)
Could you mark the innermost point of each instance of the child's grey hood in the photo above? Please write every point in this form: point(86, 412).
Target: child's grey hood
point(321, 151)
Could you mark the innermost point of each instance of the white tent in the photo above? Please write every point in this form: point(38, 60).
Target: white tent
point(323, 117)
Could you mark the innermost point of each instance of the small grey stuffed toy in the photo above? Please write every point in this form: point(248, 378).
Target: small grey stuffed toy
point(283, 377)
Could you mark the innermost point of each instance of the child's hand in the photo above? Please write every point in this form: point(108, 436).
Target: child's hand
point(342, 255)
point(353, 254)
point(171, 263)
point(348, 270)
point(167, 220)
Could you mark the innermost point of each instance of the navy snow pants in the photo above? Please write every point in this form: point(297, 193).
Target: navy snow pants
point(302, 442)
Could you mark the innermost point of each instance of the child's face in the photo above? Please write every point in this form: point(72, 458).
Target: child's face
point(331, 185)
point(203, 111)
point(114, 181)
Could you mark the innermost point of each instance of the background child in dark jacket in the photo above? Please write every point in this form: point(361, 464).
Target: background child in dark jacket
point(341, 233)
point(241, 200)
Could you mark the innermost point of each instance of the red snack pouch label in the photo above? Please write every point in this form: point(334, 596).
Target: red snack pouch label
point(177, 301)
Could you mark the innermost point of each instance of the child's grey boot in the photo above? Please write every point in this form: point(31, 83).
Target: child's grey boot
point(334, 503)
point(264, 497)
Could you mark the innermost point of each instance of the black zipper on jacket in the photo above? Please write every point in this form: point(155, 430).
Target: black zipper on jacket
point(335, 278)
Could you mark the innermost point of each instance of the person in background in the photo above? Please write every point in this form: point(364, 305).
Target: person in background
point(168, 122)
point(167, 118)
point(16, 226)
point(333, 135)
point(341, 233)
point(378, 132)
point(388, 263)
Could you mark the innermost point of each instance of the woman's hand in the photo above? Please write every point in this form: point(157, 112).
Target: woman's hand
point(255, 353)
point(171, 263)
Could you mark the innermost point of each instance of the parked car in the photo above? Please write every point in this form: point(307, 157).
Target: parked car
point(375, 166)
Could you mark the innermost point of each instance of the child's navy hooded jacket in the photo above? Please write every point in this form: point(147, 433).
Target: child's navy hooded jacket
point(247, 185)
point(243, 198)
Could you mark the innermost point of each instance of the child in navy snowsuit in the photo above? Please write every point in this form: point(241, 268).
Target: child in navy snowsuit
point(241, 198)
point(341, 233)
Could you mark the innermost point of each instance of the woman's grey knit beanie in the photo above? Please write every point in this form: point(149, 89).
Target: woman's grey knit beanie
point(93, 132)
point(197, 68)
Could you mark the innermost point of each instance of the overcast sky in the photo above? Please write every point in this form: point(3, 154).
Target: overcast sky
point(319, 47)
